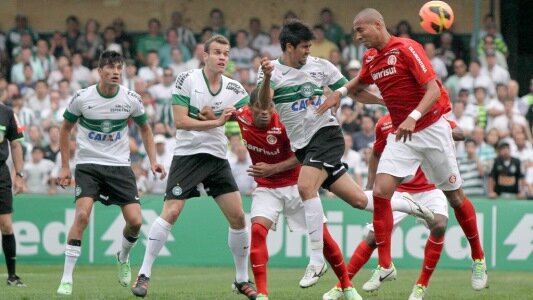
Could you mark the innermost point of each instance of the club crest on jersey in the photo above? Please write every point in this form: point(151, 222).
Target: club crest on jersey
point(307, 90)
point(177, 190)
point(391, 60)
point(271, 139)
point(106, 126)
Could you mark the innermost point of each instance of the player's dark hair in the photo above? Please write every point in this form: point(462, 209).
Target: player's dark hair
point(110, 57)
point(217, 38)
point(295, 32)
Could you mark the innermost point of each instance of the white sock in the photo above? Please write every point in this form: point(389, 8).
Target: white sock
point(314, 218)
point(370, 203)
point(156, 240)
point(398, 203)
point(125, 250)
point(239, 243)
point(71, 256)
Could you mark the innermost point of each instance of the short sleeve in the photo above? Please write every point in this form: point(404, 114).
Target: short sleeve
point(418, 63)
point(14, 130)
point(241, 98)
point(334, 78)
point(181, 91)
point(364, 74)
point(73, 110)
point(138, 114)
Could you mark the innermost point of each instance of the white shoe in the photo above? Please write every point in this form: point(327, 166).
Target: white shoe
point(312, 274)
point(418, 293)
point(334, 294)
point(418, 210)
point(479, 274)
point(379, 275)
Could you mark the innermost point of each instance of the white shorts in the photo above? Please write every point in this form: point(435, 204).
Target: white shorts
point(434, 200)
point(432, 149)
point(270, 202)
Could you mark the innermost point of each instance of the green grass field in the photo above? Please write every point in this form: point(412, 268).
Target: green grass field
point(99, 282)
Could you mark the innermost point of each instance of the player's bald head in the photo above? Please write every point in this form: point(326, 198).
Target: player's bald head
point(369, 15)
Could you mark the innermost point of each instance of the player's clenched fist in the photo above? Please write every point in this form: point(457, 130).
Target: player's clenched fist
point(267, 67)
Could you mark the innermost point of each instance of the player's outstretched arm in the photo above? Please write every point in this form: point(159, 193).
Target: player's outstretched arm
point(352, 87)
point(149, 145)
point(265, 93)
point(263, 169)
point(64, 175)
point(184, 122)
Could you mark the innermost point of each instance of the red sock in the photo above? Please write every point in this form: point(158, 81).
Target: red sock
point(333, 255)
point(382, 219)
point(359, 258)
point(431, 258)
point(466, 216)
point(259, 257)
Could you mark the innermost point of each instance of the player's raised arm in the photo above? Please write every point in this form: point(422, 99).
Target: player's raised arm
point(265, 91)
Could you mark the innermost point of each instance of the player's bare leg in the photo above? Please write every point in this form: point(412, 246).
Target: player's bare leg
point(238, 240)
point(309, 182)
point(132, 216)
point(465, 213)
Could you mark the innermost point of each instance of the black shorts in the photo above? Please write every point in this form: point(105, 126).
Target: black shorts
point(325, 151)
point(107, 184)
point(6, 192)
point(186, 172)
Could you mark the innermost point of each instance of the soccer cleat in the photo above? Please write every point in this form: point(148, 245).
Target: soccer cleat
point(312, 274)
point(124, 272)
point(379, 275)
point(479, 274)
point(15, 281)
point(65, 288)
point(261, 297)
point(334, 294)
point(418, 293)
point(140, 287)
point(418, 210)
point(246, 288)
point(351, 294)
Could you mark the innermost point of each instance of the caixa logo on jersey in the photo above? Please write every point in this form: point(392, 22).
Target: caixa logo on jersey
point(302, 104)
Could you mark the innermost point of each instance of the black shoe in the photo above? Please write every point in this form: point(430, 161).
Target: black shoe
point(246, 288)
point(15, 281)
point(140, 287)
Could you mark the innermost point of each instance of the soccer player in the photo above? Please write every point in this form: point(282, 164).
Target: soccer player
point(200, 157)
point(10, 135)
point(422, 192)
point(103, 167)
point(422, 137)
point(295, 83)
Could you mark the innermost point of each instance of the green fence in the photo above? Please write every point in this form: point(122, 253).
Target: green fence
point(199, 238)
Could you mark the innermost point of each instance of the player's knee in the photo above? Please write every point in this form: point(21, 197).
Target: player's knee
point(134, 226)
point(455, 198)
point(359, 200)
point(370, 240)
point(306, 191)
point(383, 191)
point(6, 228)
point(438, 229)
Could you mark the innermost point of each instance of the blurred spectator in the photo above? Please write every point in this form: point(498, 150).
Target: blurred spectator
point(53, 114)
point(185, 35)
point(66, 90)
point(57, 166)
point(90, 43)
point(198, 59)
point(452, 83)
point(71, 36)
point(257, 39)
point(80, 73)
point(110, 41)
point(177, 65)
point(239, 168)
point(123, 38)
point(130, 74)
point(522, 149)
point(154, 183)
point(495, 106)
point(241, 54)
point(528, 102)
point(25, 115)
point(38, 171)
point(172, 42)
point(496, 42)
point(44, 57)
point(289, 15)
point(151, 41)
point(367, 134)
point(151, 73)
point(504, 122)
point(333, 31)
point(436, 62)
point(506, 178)
point(472, 170)
point(14, 35)
point(149, 109)
point(40, 101)
point(58, 45)
point(352, 159)
point(216, 21)
point(335, 58)
point(466, 122)
point(490, 49)
point(403, 29)
point(26, 41)
point(353, 51)
point(206, 34)
point(519, 104)
point(492, 137)
point(141, 181)
point(348, 120)
point(273, 49)
point(17, 71)
point(474, 78)
point(52, 148)
point(27, 86)
point(322, 47)
point(365, 158)
point(449, 48)
point(162, 93)
point(352, 68)
point(484, 152)
point(495, 72)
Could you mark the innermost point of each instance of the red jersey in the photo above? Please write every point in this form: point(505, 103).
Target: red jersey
point(400, 70)
point(270, 145)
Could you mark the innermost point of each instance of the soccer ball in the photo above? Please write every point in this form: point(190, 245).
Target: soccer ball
point(436, 16)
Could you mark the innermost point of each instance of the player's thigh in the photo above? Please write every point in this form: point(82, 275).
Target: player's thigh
point(349, 191)
point(293, 208)
point(267, 203)
point(310, 180)
point(231, 206)
point(220, 180)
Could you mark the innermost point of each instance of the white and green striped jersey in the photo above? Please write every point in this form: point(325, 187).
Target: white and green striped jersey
point(292, 90)
point(192, 91)
point(103, 132)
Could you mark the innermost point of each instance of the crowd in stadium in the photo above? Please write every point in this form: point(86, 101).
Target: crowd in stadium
point(39, 74)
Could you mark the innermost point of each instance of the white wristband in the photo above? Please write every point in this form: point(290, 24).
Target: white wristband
point(343, 90)
point(416, 115)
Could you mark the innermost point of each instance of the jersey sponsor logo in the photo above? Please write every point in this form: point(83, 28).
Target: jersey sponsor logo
point(424, 69)
point(104, 137)
point(391, 60)
point(306, 90)
point(302, 104)
point(136, 96)
point(181, 79)
point(262, 150)
point(317, 75)
point(383, 73)
point(106, 126)
point(271, 139)
point(235, 88)
point(274, 130)
point(120, 108)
